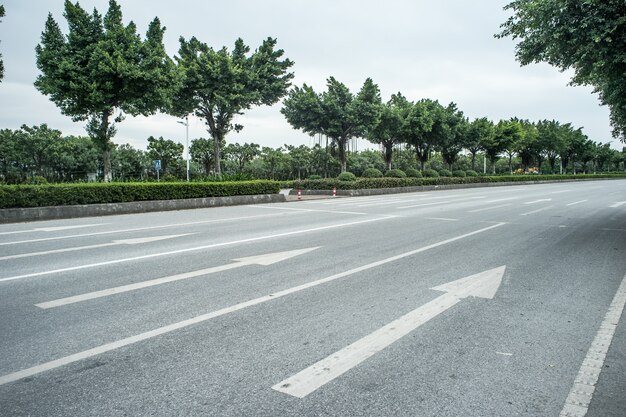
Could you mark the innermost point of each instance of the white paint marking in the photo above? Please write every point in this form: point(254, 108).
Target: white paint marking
point(577, 202)
point(445, 219)
point(579, 398)
point(483, 285)
point(101, 245)
point(303, 209)
point(536, 211)
point(442, 202)
point(559, 192)
point(606, 229)
point(538, 201)
point(265, 260)
point(15, 376)
point(504, 353)
point(618, 204)
point(197, 248)
point(53, 229)
point(502, 199)
point(490, 208)
point(139, 229)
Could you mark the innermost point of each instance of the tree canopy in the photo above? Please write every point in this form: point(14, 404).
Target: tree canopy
point(103, 69)
point(586, 36)
point(217, 85)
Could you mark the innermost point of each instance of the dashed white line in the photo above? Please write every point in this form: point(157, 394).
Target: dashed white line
point(536, 211)
point(541, 200)
point(577, 202)
point(445, 219)
point(490, 208)
point(312, 210)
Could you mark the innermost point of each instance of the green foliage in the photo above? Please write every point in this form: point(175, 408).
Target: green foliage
point(314, 177)
point(430, 173)
point(371, 173)
point(471, 173)
point(102, 69)
point(395, 173)
point(217, 85)
point(459, 173)
point(165, 150)
point(413, 173)
point(346, 176)
point(1, 61)
point(445, 173)
point(586, 36)
point(70, 194)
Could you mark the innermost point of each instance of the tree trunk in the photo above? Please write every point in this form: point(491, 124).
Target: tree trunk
point(341, 144)
point(106, 162)
point(388, 154)
point(473, 161)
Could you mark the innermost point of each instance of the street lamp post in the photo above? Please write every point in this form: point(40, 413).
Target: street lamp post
point(186, 124)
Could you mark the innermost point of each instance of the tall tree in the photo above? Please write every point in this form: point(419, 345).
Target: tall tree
point(586, 36)
point(387, 128)
point(242, 154)
point(1, 61)
point(202, 151)
point(218, 85)
point(418, 124)
point(478, 131)
point(165, 150)
point(454, 129)
point(335, 113)
point(102, 70)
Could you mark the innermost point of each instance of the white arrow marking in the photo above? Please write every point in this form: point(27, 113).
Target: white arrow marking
point(101, 245)
point(619, 203)
point(265, 260)
point(52, 229)
point(484, 285)
point(538, 201)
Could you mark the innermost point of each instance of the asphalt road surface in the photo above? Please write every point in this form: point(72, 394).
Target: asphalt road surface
point(499, 301)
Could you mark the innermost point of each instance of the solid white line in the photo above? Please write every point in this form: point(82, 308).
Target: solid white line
point(490, 208)
point(303, 209)
point(138, 229)
point(198, 319)
point(579, 398)
point(441, 218)
point(577, 202)
point(536, 211)
point(197, 248)
point(53, 229)
point(503, 199)
point(461, 200)
point(320, 373)
point(538, 201)
point(559, 192)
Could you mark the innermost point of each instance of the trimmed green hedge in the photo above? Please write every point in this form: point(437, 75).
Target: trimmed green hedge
point(12, 196)
point(367, 183)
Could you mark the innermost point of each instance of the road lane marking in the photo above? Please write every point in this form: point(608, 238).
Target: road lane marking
point(618, 204)
point(536, 211)
point(458, 200)
point(504, 353)
point(490, 208)
point(484, 285)
point(581, 394)
point(265, 260)
point(139, 229)
point(503, 199)
point(538, 201)
point(197, 248)
point(135, 241)
point(53, 229)
point(559, 192)
point(15, 376)
point(304, 209)
point(445, 219)
point(577, 202)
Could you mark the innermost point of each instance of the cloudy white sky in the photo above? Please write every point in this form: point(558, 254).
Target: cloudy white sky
point(442, 50)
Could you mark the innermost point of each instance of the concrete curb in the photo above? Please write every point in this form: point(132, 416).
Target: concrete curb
point(398, 190)
point(15, 215)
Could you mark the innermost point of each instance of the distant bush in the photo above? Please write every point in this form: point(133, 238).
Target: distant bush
point(346, 176)
point(459, 173)
point(471, 173)
point(413, 173)
point(395, 173)
point(430, 173)
point(372, 173)
point(12, 196)
point(314, 177)
point(445, 173)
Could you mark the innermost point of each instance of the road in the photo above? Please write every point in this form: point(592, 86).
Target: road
point(498, 301)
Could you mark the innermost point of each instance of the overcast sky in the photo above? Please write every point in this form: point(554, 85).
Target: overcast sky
point(442, 50)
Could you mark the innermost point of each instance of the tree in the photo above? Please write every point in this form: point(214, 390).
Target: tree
point(417, 127)
point(218, 85)
point(494, 145)
point(335, 113)
point(586, 36)
point(242, 154)
point(1, 61)
point(478, 131)
point(386, 130)
point(202, 151)
point(300, 158)
point(128, 162)
point(102, 70)
point(36, 143)
point(526, 145)
point(272, 160)
point(166, 150)
point(509, 133)
point(454, 129)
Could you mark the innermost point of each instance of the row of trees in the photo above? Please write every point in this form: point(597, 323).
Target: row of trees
point(39, 153)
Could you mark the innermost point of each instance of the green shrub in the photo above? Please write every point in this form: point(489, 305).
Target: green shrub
point(12, 196)
point(372, 173)
point(459, 173)
point(346, 176)
point(430, 173)
point(413, 173)
point(314, 177)
point(395, 173)
point(445, 173)
point(471, 173)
